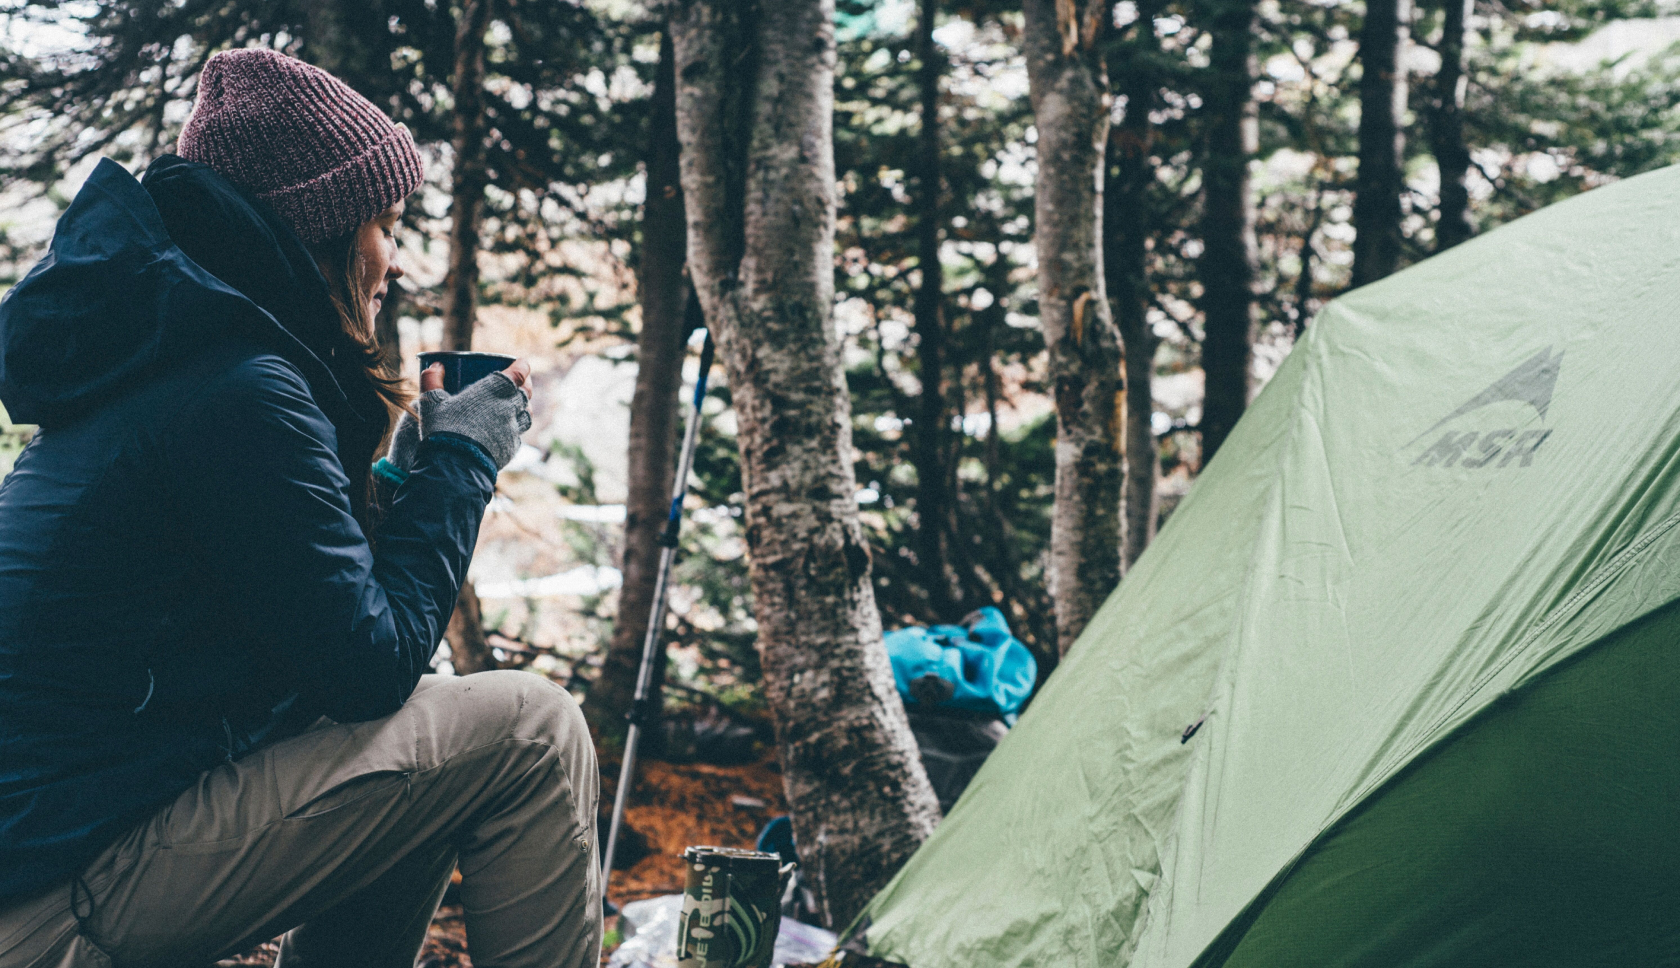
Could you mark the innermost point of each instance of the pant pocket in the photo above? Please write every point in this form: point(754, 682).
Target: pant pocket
point(331, 767)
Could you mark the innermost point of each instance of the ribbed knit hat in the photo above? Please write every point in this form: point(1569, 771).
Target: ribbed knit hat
point(300, 139)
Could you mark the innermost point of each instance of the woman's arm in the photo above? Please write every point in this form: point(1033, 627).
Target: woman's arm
point(264, 497)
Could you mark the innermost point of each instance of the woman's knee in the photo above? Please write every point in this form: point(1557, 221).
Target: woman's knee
point(544, 721)
point(520, 705)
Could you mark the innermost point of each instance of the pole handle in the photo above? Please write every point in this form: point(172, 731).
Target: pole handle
point(673, 521)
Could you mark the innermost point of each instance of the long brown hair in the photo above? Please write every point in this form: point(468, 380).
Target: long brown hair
point(341, 264)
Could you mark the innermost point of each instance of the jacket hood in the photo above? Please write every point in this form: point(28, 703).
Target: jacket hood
point(139, 276)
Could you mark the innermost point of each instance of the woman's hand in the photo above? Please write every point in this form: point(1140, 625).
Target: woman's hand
point(405, 437)
point(520, 374)
point(491, 413)
point(431, 378)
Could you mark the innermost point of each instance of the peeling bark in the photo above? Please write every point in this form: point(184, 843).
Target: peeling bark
point(1446, 129)
point(755, 117)
point(1382, 140)
point(1226, 267)
point(653, 408)
point(1070, 108)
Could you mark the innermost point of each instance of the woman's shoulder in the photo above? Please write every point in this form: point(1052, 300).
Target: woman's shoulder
point(238, 382)
point(242, 367)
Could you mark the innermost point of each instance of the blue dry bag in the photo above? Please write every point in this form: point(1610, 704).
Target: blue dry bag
point(976, 667)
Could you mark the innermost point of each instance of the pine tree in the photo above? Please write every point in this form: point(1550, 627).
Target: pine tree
point(1128, 222)
point(1446, 128)
point(1227, 263)
point(1382, 140)
point(667, 314)
point(934, 482)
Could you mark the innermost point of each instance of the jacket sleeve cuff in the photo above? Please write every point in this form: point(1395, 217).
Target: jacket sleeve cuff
point(465, 445)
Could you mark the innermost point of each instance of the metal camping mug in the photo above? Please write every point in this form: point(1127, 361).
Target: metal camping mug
point(463, 369)
point(731, 908)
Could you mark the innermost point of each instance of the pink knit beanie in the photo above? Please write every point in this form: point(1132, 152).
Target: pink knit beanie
point(299, 139)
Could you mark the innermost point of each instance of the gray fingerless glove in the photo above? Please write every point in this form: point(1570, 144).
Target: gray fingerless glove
point(405, 441)
point(491, 413)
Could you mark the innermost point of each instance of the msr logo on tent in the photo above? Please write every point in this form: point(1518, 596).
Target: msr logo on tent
point(1531, 383)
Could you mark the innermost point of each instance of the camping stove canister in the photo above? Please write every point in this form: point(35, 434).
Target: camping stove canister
point(731, 908)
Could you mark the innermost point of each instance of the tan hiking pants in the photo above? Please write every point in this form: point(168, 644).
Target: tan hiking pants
point(345, 837)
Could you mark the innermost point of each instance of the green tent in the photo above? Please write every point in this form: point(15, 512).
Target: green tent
point(1399, 683)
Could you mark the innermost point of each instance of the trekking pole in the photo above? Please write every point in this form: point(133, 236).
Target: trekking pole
point(645, 708)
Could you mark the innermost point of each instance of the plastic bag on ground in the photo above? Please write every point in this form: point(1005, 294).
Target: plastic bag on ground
point(652, 942)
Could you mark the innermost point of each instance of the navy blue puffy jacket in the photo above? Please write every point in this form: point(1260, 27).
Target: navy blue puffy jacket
point(183, 576)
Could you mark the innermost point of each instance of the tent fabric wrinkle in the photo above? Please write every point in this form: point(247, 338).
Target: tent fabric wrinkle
point(1445, 529)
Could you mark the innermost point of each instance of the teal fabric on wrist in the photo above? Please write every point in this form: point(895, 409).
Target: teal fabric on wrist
point(389, 472)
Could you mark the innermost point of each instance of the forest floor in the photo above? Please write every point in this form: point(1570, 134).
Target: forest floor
point(672, 806)
point(675, 806)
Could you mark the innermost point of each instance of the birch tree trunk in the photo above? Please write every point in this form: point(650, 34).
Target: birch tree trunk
point(1070, 109)
point(1226, 267)
point(934, 483)
point(1446, 129)
point(1126, 226)
point(1382, 140)
point(755, 117)
point(653, 408)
